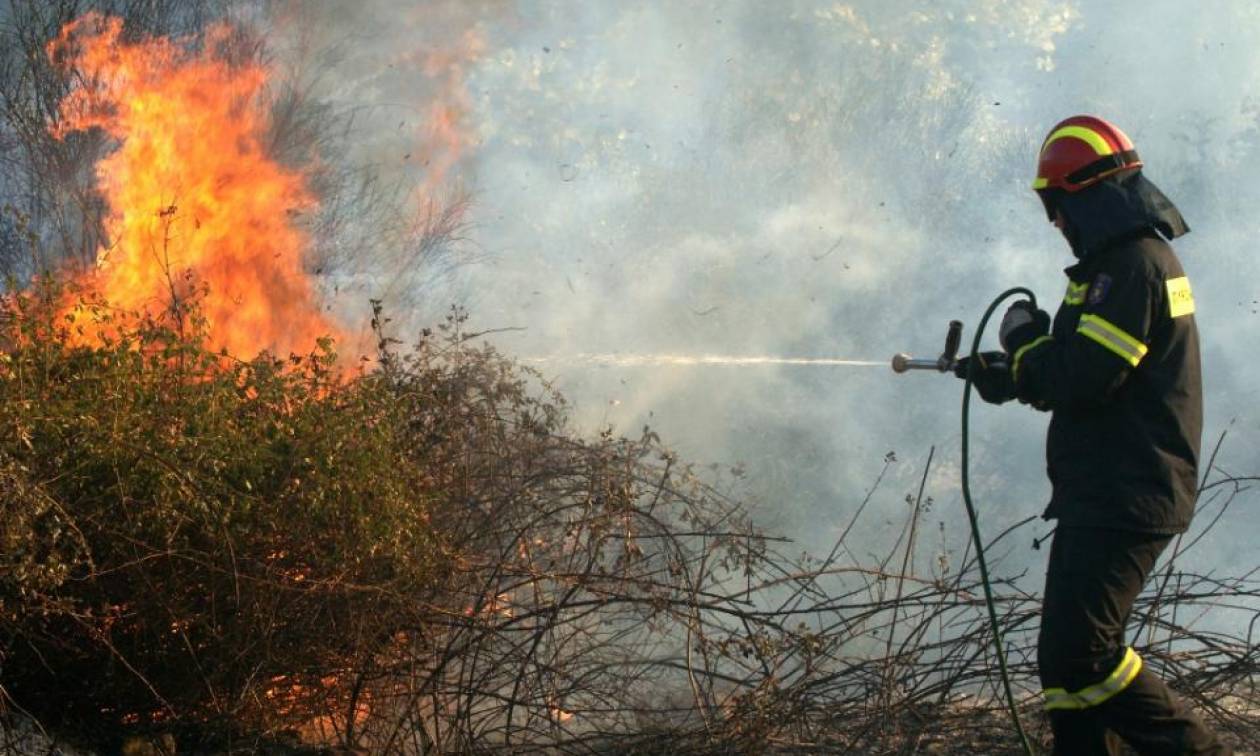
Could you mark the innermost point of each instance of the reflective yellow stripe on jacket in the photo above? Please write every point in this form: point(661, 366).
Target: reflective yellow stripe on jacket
point(1019, 354)
point(1118, 680)
point(1112, 337)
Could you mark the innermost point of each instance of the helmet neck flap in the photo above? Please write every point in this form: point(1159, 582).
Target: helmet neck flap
point(1116, 208)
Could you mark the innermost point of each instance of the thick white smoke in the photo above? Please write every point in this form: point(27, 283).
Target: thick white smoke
point(810, 179)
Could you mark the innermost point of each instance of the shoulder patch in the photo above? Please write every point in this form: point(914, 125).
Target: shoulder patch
point(1098, 292)
point(1180, 298)
point(1075, 294)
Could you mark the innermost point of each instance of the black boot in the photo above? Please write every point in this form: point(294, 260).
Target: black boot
point(1155, 722)
point(1078, 732)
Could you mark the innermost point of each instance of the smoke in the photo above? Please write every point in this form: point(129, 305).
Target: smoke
point(805, 180)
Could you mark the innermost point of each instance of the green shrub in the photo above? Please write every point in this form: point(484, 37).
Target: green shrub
point(190, 538)
point(412, 556)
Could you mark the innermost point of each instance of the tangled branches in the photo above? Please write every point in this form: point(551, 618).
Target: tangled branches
point(421, 558)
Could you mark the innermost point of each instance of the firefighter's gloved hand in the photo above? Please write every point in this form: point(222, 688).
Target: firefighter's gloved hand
point(1022, 324)
point(992, 377)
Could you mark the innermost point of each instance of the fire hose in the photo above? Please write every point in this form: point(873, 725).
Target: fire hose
point(945, 364)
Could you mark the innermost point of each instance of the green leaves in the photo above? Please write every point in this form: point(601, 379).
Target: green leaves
point(245, 504)
point(247, 546)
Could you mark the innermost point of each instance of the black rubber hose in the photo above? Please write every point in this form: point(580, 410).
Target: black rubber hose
point(971, 512)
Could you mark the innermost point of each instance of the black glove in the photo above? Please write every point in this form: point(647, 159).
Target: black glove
point(1022, 324)
point(992, 377)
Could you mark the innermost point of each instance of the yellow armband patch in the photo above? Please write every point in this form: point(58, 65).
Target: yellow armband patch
point(1180, 299)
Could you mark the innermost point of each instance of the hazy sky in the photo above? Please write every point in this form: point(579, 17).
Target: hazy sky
point(809, 179)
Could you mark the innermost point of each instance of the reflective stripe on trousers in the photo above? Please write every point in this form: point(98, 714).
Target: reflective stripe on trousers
point(1092, 695)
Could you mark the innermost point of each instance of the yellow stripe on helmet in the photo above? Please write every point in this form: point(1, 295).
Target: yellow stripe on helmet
point(1086, 135)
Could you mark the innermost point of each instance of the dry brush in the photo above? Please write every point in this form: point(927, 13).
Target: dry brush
point(418, 556)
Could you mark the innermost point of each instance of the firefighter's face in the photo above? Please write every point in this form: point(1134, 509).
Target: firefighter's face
point(1061, 223)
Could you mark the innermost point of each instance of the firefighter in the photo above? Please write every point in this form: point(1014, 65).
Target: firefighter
point(1118, 369)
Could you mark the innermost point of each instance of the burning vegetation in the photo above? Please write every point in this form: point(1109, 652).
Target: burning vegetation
point(419, 558)
point(194, 201)
point(215, 532)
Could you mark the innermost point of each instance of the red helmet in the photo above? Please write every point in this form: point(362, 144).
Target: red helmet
point(1080, 152)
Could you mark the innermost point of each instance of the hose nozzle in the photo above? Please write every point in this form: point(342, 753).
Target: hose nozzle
point(953, 339)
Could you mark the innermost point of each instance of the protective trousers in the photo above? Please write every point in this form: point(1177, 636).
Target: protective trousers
point(1096, 687)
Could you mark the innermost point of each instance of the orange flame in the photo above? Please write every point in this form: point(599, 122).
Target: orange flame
point(194, 200)
point(444, 136)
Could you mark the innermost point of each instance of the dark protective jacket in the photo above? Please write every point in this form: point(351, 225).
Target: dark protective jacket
point(1120, 369)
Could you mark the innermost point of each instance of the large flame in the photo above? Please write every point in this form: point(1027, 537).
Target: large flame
point(195, 203)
